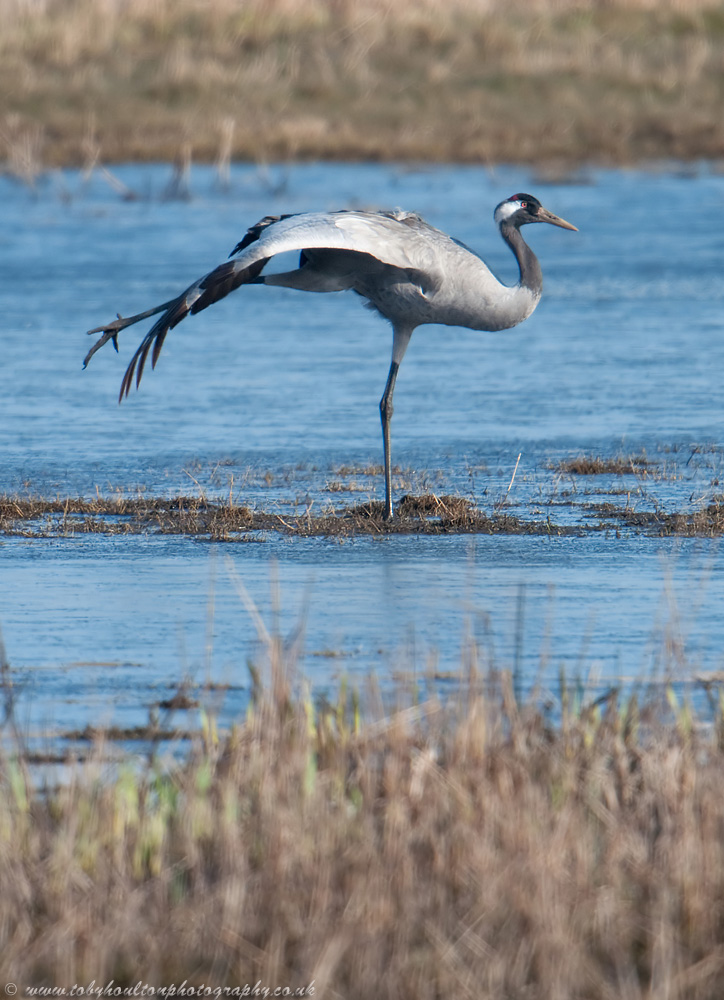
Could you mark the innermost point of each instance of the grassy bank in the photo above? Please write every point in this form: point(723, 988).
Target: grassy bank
point(552, 82)
point(436, 851)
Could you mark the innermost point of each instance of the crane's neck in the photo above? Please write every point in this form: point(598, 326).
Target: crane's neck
point(531, 276)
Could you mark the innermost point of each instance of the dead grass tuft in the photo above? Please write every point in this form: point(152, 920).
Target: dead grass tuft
point(708, 521)
point(588, 465)
point(451, 510)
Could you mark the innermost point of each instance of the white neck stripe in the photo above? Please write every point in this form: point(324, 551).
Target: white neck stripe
point(505, 209)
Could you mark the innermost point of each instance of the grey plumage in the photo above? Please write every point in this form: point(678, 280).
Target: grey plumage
point(410, 272)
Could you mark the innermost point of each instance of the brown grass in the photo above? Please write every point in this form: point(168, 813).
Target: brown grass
point(427, 514)
point(470, 850)
point(548, 82)
point(223, 521)
point(590, 465)
point(707, 521)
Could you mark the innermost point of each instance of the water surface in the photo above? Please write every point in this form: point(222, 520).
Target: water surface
point(271, 397)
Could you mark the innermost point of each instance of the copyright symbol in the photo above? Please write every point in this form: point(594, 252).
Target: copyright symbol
point(11, 989)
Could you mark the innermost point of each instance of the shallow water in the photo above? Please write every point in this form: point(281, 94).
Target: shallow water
point(272, 396)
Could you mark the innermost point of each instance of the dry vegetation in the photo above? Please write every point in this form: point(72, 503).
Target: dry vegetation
point(441, 850)
point(594, 465)
point(428, 514)
point(707, 521)
point(226, 521)
point(538, 81)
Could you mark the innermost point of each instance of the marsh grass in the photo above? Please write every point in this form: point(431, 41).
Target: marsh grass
point(425, 514)
point(225, 521)
point(707, 521)
point(551, 82)
point(469, 847)
point(594, 465)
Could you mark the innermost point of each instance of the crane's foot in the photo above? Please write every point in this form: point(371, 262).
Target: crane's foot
point(109, 332)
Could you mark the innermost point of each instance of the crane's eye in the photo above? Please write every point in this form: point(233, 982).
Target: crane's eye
point(524, 204)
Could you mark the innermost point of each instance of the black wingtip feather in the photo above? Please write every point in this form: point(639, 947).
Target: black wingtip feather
point(214, 286)
point(142, 361)
point(254, 232)
point(126, 383)
point(160, 337)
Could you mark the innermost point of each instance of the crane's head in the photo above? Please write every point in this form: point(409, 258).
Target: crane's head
point(524, 208)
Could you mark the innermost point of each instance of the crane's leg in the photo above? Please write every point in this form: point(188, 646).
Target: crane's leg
point(401, 338)
point(386, 411)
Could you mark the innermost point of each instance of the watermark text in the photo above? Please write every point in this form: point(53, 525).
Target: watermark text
point(141, 989)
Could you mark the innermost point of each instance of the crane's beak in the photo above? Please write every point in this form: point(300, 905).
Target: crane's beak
point(555, 220)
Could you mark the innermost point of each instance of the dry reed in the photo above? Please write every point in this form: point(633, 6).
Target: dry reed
point(538, 81)
point(468, 849)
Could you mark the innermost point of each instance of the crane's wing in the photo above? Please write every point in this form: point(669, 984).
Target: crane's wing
point(399, 239)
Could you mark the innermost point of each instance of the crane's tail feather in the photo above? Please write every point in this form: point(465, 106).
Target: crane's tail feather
point(209, 289)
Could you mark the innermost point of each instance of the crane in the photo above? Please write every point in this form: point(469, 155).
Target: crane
point(408, 271)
